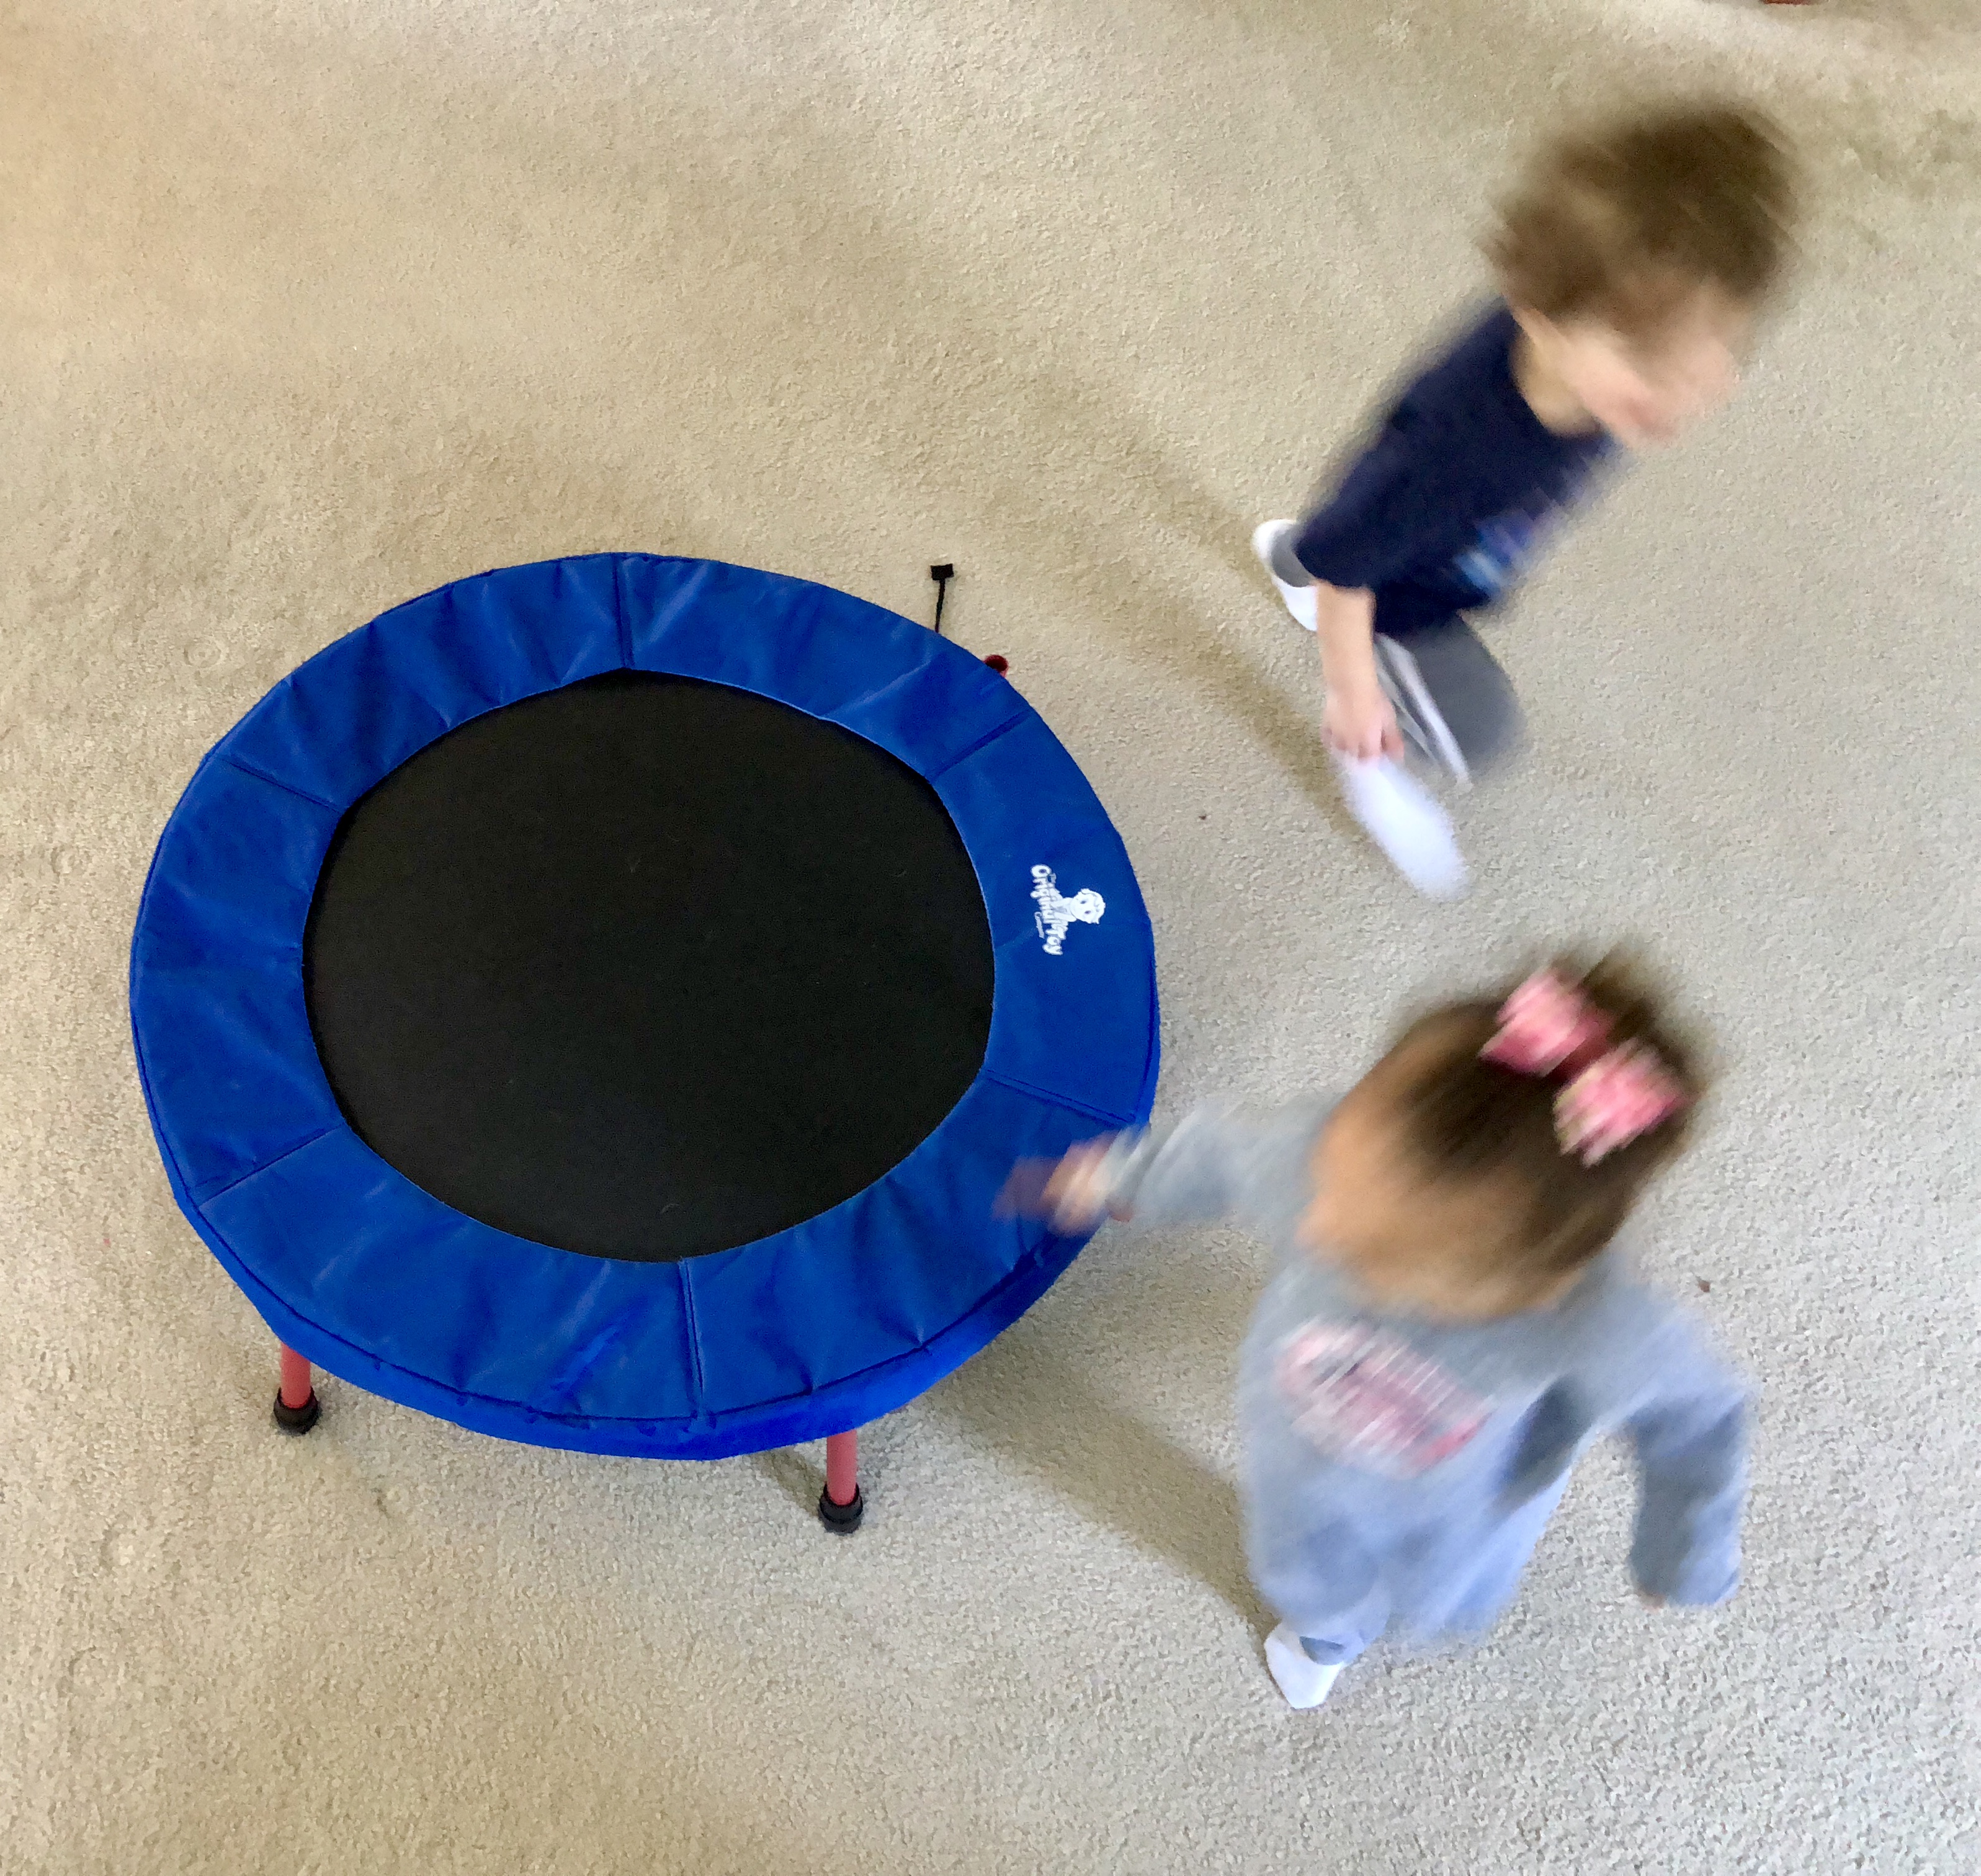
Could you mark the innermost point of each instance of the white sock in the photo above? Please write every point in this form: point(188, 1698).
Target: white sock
point(1303, 602)
point(1402, 817)
point(1303, 1681)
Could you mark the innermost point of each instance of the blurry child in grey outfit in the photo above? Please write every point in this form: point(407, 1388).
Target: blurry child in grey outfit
point(1448, 1327)
point(1633, 262)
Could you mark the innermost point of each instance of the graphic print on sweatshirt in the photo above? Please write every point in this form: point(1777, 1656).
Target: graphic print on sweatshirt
point(1364, 1397)
point(1506, 546)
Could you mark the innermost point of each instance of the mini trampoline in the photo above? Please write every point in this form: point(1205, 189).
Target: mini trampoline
point(599, 1003)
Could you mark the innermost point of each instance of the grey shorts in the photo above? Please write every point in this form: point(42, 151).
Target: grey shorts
point(1454, 705)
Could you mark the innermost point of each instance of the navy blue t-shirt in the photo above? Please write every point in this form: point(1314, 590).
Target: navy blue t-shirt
point(1446, 507)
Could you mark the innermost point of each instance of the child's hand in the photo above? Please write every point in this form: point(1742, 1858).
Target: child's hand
point(1071, 1193)
point(1076, 1195)
point(1359, 722)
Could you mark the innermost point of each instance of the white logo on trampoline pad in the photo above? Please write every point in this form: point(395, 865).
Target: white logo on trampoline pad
point(1056, 913)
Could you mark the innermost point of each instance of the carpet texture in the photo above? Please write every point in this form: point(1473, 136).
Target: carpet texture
point(310, 305)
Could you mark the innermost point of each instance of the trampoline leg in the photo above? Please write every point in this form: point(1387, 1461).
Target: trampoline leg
point(840, 1507)
point(297, 1408)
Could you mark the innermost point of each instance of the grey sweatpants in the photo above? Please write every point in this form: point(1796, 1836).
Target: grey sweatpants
point(1455, 705)
point(1496, 1569)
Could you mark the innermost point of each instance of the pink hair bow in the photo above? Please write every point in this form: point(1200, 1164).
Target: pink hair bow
point(1545, 1026)
point(1612, 1096)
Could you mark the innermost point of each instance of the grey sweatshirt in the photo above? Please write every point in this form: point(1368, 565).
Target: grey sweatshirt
point(1399, 1468)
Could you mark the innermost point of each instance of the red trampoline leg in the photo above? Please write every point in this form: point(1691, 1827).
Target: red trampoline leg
point(840, 1507)
point(296, 1405)
point(296, 1388)
point(842, 1467)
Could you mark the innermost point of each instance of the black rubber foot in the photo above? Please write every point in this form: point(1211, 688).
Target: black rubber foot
point(842, 1520)
point(298, 1419)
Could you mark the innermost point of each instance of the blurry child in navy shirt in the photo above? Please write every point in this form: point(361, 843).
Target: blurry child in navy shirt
point(1633, 261)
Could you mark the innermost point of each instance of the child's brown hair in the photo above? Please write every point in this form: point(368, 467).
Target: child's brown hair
point(1627, 221)
point(1467, 1119)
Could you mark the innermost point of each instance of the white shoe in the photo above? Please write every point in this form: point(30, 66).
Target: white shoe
point(1304, 1681)
point(1403, 817)
point(1303, 602)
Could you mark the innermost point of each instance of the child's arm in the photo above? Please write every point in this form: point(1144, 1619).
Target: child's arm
point(1691, 1441)
point(1358, 719)
point(1192, 1174)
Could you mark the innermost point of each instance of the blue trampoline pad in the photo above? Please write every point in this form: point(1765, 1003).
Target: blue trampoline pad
point(600, 1002)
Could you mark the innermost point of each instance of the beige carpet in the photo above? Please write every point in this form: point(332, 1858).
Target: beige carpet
point(311, 305)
